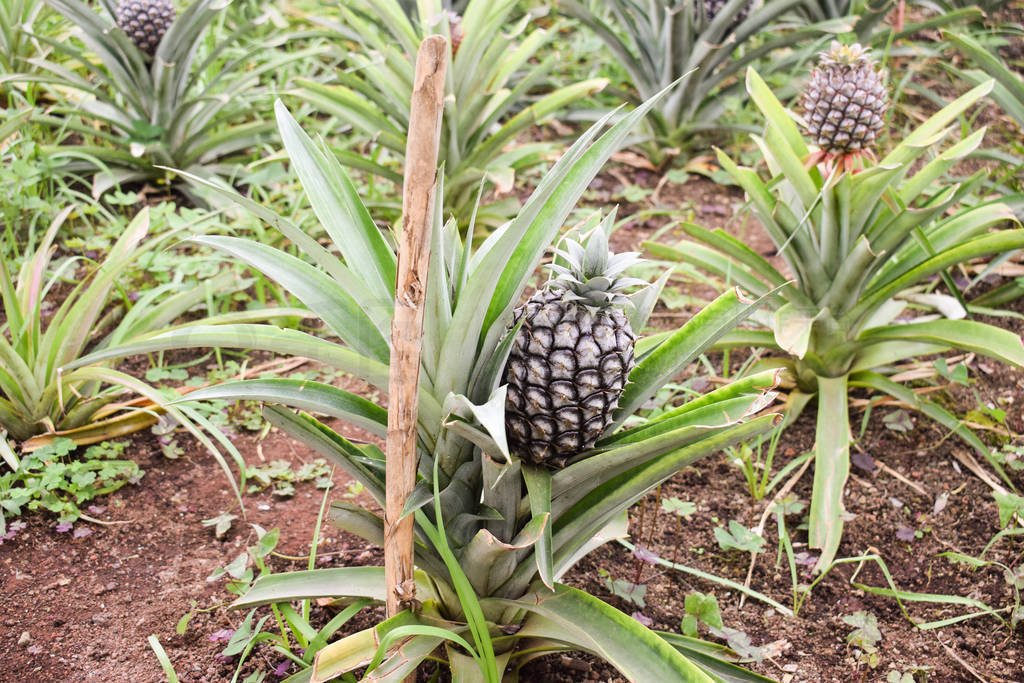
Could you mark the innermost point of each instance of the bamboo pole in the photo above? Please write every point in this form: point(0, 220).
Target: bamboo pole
point(407, 324)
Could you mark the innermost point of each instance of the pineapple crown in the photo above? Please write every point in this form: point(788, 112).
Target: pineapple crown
point(846, 55)
point(592, 274)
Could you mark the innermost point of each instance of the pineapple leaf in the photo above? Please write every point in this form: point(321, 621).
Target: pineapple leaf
point(793, 328)
point(364, 582)
point(490, 415)
point(983, 245)
point(568, 615)
point(311, 396)
point(721, 412)
point(331, 445)
point(357, 520)
point(340, 210)
point(775, 114)
point(332, 299)
point(538, 487)
point(615, 493)
point(268, 338)
point(689, 341)
point(729, 270)
point(644, 301)
point(918, 141)
point(988, 340)
point(831, 468)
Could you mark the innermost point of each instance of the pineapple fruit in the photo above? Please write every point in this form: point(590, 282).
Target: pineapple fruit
point(571, 357)
point(845, 102)
point(145, 21)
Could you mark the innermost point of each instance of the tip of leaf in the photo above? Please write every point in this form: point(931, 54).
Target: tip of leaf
point(752, 78)
point(742, 298)
point(721, 155)
point(986, 87)
point(281, 111)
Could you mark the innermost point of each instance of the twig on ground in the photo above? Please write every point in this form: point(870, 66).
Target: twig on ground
point(113, 522)
point(960, 660)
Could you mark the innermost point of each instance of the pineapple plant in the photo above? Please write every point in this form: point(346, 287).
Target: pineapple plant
point(151, 96)
point(571, 356)
point(865, 253)
point(145, 21)
point(489, 522)
point(845, 103)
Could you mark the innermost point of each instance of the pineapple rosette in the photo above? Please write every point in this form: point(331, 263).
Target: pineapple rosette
point(524, 466)
point(864, 247)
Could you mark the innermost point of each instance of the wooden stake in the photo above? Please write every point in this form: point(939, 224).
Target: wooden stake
point(407, 325)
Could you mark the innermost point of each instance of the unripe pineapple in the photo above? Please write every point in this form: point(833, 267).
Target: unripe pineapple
point(845, 101)
point(145, 21)
point(572, 356)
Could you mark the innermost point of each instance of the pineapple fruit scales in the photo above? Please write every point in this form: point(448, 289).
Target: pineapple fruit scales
point(845, 101)
point(571, 357)
point(145, 22)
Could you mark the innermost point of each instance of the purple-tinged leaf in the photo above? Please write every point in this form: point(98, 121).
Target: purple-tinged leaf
point(12, 530)
point(282, 669)
point(64, 527)
point(82, 532)
point(222, 634)
point(863, 461)
point(805, 558)
point(905, 533)
point(645, 555)
point(97, 509)
point(643, 619)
